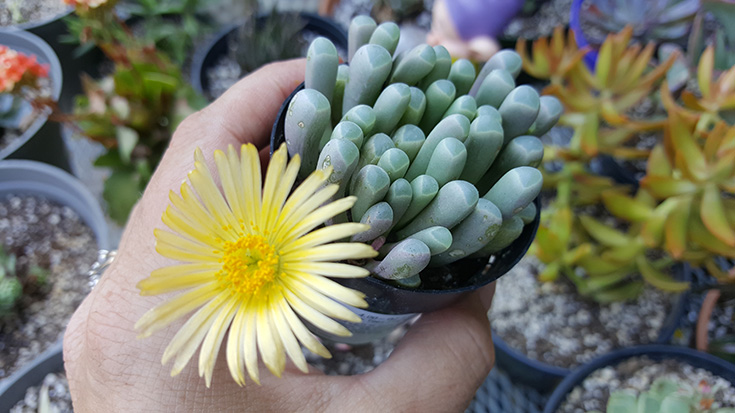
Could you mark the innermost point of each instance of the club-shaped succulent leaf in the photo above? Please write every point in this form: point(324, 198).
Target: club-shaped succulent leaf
point(519, 111)
point(524, 150)
point(387, 35)
point(307, 118)
point(515, 190)
point(441, 69)
point(369, 185)
point(321, 67)
point(364, 117)
point(349, 131)
point(496, 86)
point(462, 74)
point(394, 162)
point(437, 238)
point(405, 260)
point(413, 66)
point(453, 126)
point(483, 145)
point(342, 155)
point(509, 231)
point(423, 190)
point(473, 233)
point(528, 214)
point(439, 96)
point(415, 109)
point(448, 161)
point(508, 60)
point(409, 139)
point(452, 204)
point(373, 149)
point(399, 198)
point(369, 69)
point(487, 110)
point(359, 33)
point(380, 219)
point(464, 105)
point(338, 94)
point(390, 107)
point(550, 110)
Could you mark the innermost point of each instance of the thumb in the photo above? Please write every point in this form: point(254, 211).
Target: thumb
point(442, 360)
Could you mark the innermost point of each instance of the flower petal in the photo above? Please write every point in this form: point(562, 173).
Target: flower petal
point(235, 361)
point(287, 337)
point(315, 218)
point(270, 347)
point(306, 206)
point(251, 181)
point(322, 303)
point(329, 288)
point(327, 269)
point(332, 252)
point(213, 341)
point(164, 314)
point(325, 235)
point(316, 318)
point(250, 349)
point(305, 336)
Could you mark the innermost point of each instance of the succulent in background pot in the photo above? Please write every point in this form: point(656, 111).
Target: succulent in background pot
point(30, 81)
point(713, 370)
point(442, 161)
point(13, 389)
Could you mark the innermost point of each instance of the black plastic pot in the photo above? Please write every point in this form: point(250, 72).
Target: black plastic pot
point(35, 178)
point(545, 377)
point(391, 305)
point(42, 141)
point(210, 55)
point(13, 388)
point(695, 358)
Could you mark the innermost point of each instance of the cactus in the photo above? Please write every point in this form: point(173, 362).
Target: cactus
point(666, 395)
point(427, 143)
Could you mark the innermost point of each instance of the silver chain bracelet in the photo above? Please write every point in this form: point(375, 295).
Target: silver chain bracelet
point(104, 259)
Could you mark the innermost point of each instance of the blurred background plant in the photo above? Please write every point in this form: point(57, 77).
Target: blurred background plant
point(15, 281)
point(133, 110)
point(609, 238)
point(21, 79)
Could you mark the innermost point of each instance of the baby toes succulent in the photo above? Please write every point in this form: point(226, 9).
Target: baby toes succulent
point(442, 159)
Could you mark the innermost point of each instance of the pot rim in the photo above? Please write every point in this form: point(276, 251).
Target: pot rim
point(47, 56)
point(656, 351)
point(13, 388)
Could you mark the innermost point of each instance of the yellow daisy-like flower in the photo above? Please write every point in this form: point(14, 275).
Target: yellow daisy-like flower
point(254, 264)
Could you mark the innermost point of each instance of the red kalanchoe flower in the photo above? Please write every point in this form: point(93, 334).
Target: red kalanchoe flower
point(18, 69)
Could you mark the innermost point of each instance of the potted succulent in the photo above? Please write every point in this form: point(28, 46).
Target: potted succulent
point(713, 329)
point(649, 379)
point(132, 111)
point(241, 48)
point(30, 81)
point(604, 240)
point(53, 228)
point(417, 164)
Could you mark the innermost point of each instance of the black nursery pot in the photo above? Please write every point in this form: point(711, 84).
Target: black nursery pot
point(42, 141)
point(390, 305)
point(654, 352)
point(13, 389)
point(208, 56)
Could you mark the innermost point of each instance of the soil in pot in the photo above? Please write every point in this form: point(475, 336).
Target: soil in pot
point(51, 236)
point(52, 392)
point(551, 323)
point(13, 12)
point(637, 374)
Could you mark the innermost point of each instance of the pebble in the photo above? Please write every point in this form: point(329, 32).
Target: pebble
point(551, 319)
point(66, 248)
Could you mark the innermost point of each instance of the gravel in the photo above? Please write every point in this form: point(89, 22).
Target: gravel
point(52, 394)
point(551, 323)
point(14, 12)
point(43, 233)
point(637, 374)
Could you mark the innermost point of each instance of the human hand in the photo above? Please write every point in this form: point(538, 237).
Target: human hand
point(438, 365)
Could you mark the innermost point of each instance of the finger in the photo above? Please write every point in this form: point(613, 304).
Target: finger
point(442, 360)
point(246, 112)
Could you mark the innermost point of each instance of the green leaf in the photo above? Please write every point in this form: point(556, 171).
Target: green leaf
point(659, 279)
point(595, 284)
point(629, 291)
point(122, 190)
point(602, 233)
point(713, 215)
point(675, 227)
point(126, 140)
point(109, 159)
point(626, 207)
